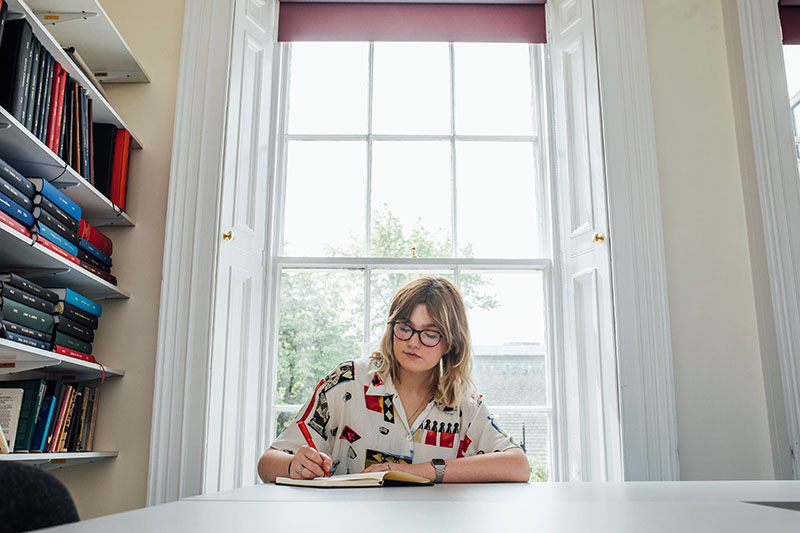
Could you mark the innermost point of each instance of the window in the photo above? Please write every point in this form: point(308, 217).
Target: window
point(402, 159)
point(791, 56)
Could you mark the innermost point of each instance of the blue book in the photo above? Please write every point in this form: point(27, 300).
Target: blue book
point(89, 248)
point(57, 197)
point(13, 209)
point(8, 173)
point(22, 339)
point(55, 238)
point(69, 296)
point(43, 423)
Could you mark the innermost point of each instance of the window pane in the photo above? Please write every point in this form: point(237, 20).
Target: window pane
point(321, 324)
point(411, 199)
point(284, 419)
point(411, 90)
point(532, 431)
point(493, 89)
point(325, 192)
point(383, 285)
point(497, 215)
point(328, 87)
point(511, 374)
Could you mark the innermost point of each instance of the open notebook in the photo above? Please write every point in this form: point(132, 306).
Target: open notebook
point(368, 479)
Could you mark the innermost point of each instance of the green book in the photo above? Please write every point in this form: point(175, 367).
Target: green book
point(30, 106)
point(68, 341)
point(31, 403)
point(24, 315)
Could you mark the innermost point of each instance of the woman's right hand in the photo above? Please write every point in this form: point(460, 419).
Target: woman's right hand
point(308, 463)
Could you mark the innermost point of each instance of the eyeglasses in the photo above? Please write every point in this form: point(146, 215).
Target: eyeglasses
point(427, 337)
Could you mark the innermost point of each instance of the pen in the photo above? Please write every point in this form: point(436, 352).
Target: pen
point(310, 442)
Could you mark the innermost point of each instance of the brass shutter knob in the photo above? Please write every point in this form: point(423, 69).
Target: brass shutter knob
point(598, 237)
point(228, 236)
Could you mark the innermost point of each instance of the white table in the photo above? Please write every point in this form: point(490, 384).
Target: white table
point(563, 507)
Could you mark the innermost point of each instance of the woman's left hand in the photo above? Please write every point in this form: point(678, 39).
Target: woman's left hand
point(416, 469)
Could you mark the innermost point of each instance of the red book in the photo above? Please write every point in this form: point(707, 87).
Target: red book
point(99, 273)
point(61, 350)
point(95, 237)
point(51, 120)
point(60, 419)
point(8, 221)
point(57, 249)
point(62, 89)
point(119, 174)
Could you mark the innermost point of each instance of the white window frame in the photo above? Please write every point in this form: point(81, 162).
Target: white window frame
point(544, 264)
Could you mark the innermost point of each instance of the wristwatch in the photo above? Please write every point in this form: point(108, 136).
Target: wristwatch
point(439, 465)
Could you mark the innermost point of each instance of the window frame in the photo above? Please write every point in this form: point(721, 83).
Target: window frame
point(546, 262)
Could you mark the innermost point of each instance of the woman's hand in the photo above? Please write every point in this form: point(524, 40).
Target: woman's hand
point(423, 469)
point(308, 463)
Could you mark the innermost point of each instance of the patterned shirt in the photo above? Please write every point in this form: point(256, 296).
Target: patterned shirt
point(355, 416)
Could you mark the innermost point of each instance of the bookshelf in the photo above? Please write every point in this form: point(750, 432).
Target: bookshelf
point(104, 50)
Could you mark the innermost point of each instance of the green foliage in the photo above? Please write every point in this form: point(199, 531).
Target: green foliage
point(538, 470)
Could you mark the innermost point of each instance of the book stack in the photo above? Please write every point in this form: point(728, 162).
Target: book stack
point(16, 199)
point(48, 416)
point(43, 98)
point(75, 323)
point(94, 251)
point(27, 311)
point(112, 148)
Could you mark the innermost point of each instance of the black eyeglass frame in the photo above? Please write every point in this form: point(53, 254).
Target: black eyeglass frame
point(419, 333)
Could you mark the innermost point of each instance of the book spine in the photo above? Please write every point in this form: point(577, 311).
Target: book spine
point(41, 83)
point(24, 297)
point(62, 115)
point(33, 78)
point(100, 273)
point(87, 422)
point(28, 341)
point(26, 315)
point(57, 197)
point(22, 73)
point(31, 287)
point(57, 213)
point(90, 123)
point(78, 315)
point(43, 423)
point(90, 438)
point(69, 352)
point(78, 300)
point(88, 247)
point(76, 416)
point(73, 329)
point(43, 216)
point(51, 235)
point(61, 447)
point(57, 250)
point(86, 257)
point(95, 237)
point(62, 398)
point(14, 194)
point(47, 87)
point(13, 209)
point(53, 111)
point(10, 222)
point(19, 329)
point(20, 182)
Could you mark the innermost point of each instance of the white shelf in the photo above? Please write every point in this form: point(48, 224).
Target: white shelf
point(28, 155)
point(102, 110)
point(95, 38)
point(37, 263)
point(51, 461)
point(16, 357)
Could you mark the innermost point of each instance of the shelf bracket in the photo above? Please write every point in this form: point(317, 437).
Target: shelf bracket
point(12, 367)
point(54, 17)
point(109, 76)
point(34, 273)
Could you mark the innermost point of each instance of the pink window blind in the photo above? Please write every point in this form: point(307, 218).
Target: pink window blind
point(418, 21)
point(790, 20)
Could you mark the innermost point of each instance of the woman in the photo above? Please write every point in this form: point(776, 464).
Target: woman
point(409, 407)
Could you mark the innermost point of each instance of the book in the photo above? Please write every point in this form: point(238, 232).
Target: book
point(67, 295)
point(58, 139)
point(88, 247)
point(43, 229)
point(20, 182)
point(43, 216)
point(47, 190)
point(89, 446)
point(60, 392)
point(44, 419)
point(15, 49)
point(14, 194)
point(44, 115)
point(55, 249)
point(31, 402)
point(28, 341)
point(18, 295)
point(12, 327)
point(99, 272)
point(10, 406)
point(75, 438)
point(83, 439)
point(364, 479)
point(52, 117)
point(33, 78)
point(3, 442)
point(81, 64)
point(15, 211)
point(90, 143)
point(86, 257)
point(95, 237)
point(72, 418)
point(3, 17)
point(26, 285)
point(77, 314)
point(119, 176)
point(68, 341)
point(26, 315)
point(69, 352)
point(11, 223)
point(56, 212)
point(73, 328)
point(41, 83)
point(105, 136)
point(63, 406)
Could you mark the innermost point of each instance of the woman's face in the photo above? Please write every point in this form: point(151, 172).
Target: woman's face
point(413, 356)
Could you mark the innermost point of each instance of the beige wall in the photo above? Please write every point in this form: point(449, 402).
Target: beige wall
point(127, 333)
point(723, 430)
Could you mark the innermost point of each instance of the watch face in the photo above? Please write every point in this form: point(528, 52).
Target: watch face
point(438, 462)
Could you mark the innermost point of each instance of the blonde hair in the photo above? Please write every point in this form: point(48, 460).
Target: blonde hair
point(446, 308)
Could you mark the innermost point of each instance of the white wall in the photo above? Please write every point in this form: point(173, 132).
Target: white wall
point(126, 336)
point(723, 430)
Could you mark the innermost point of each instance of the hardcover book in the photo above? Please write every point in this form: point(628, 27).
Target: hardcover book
point(69, 352)
point(119, 176)
point(77, 314)
point(47, 190)
point(10, 406)
point(11, 223)
point(18, 281)
point(28, 341)
point(68, 341)
point(30, 103)
point(43, 420)
point(26, 315)
point(31, 402)
point(86, 257)
point(13, 209)
point(56, 212)
point(55, 97)
point(44, 113)
point(12, 327)
point(15, 49)
point(56, 249)
point(17, 294)
point(15, 194)
point(41, 228)
point(50, 221)
point(67, 295)
point(95, 237)
point(74, 329)
point(20, 182)
point(105, 136)
point(100, 273)
point(88, 247)
point(366, 479)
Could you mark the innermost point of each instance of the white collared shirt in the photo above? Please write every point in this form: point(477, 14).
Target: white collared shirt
point(355, 416)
